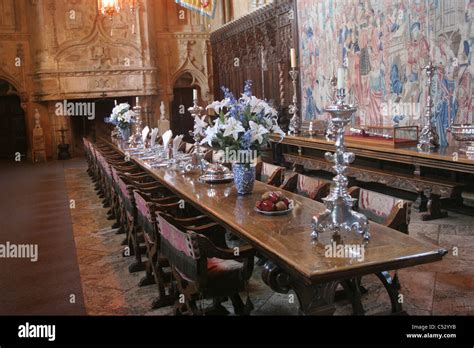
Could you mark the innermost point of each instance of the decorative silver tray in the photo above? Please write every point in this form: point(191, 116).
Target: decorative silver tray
point(277, 212)
point(211, 179)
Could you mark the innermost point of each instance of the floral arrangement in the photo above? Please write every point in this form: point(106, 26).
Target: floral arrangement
point(243, 124)
point(122, 116)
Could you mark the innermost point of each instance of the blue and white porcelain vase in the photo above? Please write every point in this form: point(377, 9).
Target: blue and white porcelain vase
point(244, 178)
point(125, 133)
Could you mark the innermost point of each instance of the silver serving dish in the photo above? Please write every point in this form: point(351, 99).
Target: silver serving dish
point(463, 133)
point(217, 173)
point(277, 212)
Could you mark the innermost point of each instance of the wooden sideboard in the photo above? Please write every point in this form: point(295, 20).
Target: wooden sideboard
point(440, 174)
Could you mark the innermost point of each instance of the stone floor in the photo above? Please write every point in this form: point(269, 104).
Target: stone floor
point(442, 288)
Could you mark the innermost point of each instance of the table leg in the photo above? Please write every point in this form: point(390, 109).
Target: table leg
point(421, 202)
point(314, 299)
point(392, 286)
point(433, 207)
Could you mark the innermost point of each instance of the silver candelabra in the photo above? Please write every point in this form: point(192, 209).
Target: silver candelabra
point(295, 122)
point(339, 215)
point(429, 139)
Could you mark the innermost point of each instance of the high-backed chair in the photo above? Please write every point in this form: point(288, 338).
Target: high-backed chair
point(307, 186)
point(186, 147)
point(129, 214)
point(270, 173)
point(202, 269)
point(148, 205)
point(383, 209)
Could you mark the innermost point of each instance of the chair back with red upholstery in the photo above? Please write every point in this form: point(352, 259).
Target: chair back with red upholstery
point(270, 173)
point(310, 186)
point(383, 209)
point(181, 249)
point(146, 215)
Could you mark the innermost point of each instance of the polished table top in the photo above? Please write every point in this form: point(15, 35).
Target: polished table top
point(450, 154)
point(286, 239)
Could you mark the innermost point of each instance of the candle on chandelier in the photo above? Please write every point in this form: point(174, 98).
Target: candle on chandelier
point(115, 102)
point(293, 58)
point(195, 94)
point(137, 101)
point(341, 78)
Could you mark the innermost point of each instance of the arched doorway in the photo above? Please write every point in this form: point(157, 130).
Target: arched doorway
point(13, 137)
point(181, 120)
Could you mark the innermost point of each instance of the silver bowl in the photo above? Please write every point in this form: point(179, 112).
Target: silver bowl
point(216, 171)
point(463, 133)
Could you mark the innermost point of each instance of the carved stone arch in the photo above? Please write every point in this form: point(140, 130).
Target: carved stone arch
point(17, 88)
point(198, 79)
point(17, 121)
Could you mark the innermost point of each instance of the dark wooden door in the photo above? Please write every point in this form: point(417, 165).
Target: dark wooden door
point(181, 120)
point(12, 128)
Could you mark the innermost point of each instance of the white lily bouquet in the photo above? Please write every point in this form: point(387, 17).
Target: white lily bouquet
point(122, 115)
point(241, 130)
point(243, 125)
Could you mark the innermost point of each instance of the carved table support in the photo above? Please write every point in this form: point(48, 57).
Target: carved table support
point(318, 299)
point(421, 202)
point(314, 299)
point(392, 286)
point(433, 207)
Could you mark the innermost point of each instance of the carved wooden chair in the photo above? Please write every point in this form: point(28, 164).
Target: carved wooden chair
point(148, 205)
point(383, 209)
point(204, 270)
point(128, 214)
point(307, 186)
point(186, 147)
point(270, 173)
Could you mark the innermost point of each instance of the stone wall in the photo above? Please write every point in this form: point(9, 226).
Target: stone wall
point(67, 51)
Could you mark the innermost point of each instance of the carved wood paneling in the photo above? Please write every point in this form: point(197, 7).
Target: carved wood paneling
point(240, 47)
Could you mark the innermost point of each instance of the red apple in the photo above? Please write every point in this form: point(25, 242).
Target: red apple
point(274, 197)
point(267, 205)
point(286, 201)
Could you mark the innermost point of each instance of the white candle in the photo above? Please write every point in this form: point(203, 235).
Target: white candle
point(293, 57)
point(311, 126)
point(341, 78)
point(195, 94)
point(115, 101)
point(137, 101)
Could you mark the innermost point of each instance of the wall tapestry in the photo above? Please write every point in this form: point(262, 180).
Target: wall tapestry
point(385, 44)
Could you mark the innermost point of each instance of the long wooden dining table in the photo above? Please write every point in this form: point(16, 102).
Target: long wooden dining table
point(295, 261)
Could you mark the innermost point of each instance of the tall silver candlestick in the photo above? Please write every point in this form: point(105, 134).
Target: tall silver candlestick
point(135, 138)
point(196, 110)
point(197, 162)
point(339, 215)
point(295, 122)
point(331, 131)
point(429, 139)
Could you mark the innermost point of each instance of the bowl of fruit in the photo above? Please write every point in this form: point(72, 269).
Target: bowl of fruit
point(274, 203)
